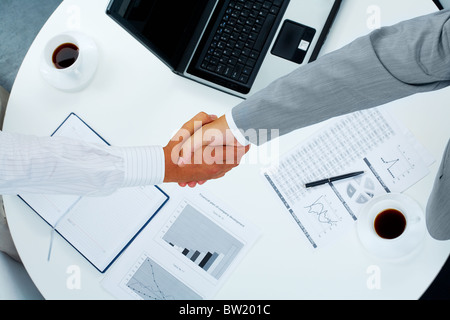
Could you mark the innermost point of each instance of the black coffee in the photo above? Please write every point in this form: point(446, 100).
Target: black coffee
point(65, 55)
point(390, 224)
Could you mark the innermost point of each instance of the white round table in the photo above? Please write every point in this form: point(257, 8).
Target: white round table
point(134, 99)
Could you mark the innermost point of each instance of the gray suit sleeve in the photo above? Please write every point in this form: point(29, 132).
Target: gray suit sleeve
point(389, 63)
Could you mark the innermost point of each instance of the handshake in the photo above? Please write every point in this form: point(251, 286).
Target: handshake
point(203, 149)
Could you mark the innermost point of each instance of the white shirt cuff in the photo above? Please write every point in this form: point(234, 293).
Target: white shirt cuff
point(144, 166)
point(234, 129)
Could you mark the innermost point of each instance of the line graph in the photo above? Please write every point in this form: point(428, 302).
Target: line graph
point(323, 215)
point(150, 281)
point(398, 166)
point(390, 163)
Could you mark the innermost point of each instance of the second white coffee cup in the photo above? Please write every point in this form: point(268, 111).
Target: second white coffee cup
point(391, 226)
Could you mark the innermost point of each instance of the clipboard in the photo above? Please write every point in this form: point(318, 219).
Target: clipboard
point(99, 228)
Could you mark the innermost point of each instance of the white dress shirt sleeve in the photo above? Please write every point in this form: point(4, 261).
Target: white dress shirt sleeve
point(59, 165)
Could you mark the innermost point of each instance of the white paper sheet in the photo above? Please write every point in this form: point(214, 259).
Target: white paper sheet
point(369, 140)
point(187, 252)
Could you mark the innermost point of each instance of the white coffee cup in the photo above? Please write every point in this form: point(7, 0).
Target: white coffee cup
point(399, 244)
point(76, 76)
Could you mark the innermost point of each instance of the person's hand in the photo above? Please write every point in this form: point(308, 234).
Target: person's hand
point(205, 162)
point(214, 134)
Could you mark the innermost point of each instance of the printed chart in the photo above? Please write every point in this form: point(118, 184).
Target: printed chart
point(323, 212)
point(370, 141)
point(150, 281)
point(200, 240)
point(186, 252)
point(399, 165)
point(361, 189)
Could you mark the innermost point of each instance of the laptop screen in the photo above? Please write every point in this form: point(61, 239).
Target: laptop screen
point(165, 26)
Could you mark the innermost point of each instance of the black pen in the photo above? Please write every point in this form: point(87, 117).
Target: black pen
point(328, 180)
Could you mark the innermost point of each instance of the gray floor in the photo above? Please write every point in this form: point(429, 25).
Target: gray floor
point(20, 22)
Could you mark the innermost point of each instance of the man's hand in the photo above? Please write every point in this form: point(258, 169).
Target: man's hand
point(215, 133)
point(208, 161)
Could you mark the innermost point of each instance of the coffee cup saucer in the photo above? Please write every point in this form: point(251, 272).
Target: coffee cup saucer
point(391, 249)
point(77, 76)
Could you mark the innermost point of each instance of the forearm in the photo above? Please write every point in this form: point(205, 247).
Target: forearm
point(59, 165)
point(388, 64)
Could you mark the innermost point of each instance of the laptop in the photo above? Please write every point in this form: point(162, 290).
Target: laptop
point(237, 46)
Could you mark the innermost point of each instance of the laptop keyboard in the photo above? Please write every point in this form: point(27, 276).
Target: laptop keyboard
point(240, 37)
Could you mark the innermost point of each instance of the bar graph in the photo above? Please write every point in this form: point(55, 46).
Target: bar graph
point(208, 261)
point(201, 241)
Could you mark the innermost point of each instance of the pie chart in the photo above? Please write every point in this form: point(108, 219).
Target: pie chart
point(361, 189)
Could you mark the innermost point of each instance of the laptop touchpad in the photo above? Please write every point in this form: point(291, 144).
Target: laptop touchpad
point(293, 41)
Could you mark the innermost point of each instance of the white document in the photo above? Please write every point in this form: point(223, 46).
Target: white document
point(370, 141)
point(187, 252)
point(98, 227)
